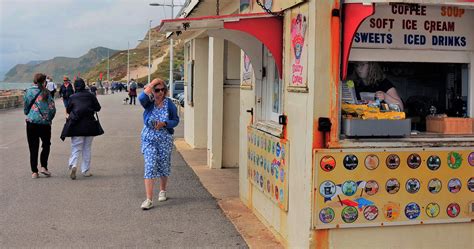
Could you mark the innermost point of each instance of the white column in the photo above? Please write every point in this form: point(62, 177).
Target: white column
point(215, 102)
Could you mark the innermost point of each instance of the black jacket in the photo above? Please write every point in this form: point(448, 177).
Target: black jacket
point(81, 108)
point(66, 92)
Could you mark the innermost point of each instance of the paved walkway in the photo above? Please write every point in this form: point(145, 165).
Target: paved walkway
point(102, 211)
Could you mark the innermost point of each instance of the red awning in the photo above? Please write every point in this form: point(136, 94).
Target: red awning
point(266, 28)
point(353, 16)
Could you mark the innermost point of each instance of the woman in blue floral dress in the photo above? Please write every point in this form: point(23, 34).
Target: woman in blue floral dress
point(160, 117)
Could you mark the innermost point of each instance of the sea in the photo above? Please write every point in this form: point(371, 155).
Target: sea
point(13, 86)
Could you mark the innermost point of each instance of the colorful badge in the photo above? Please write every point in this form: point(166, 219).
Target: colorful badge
point(350, 162)
point(268, 186)
point(261, 181)
point(412, 185)
point(414, 161)
point(412, 210)
point(392, 186)
point(281, 195)
point(326, 215)
point(434, 186)
point(278, 149)
point(371, 187)
point(454, 185)
point(433, 162)
point(391, 211)
point(349, 214)
point(371, 212)
point(282, 175)
point(470, 159)
point(432, 210)
point(371, 162)
point(470, 184)
point(454, 160)
point(453, 210)
point(349, 188)
point(276, 193)
point(392, 161)
point(327, 189)
point(327, 163)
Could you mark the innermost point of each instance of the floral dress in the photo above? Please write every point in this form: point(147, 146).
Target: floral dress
point(157, 145)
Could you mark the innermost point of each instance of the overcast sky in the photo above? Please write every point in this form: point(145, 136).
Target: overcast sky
point(43, 29)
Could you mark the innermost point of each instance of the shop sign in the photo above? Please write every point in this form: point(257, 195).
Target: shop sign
point(417, 186)
point(247, 73)
point(417, 26)
point(298, 44)
point(267, 167)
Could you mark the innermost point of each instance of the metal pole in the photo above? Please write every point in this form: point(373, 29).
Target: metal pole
point(171, 54)
point(149, 52)
point(108, 65)
point(128, 63)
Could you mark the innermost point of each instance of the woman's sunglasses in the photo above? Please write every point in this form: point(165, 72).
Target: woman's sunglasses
point(157, 90)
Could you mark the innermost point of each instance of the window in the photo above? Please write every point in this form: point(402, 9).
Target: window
point(269, 92)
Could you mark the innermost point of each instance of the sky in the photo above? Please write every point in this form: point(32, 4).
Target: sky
point(43, 29)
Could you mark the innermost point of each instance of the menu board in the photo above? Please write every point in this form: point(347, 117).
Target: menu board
point(267, 170)
point(376, 187)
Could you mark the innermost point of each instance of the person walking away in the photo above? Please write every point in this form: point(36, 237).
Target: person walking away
point(81, 109)
point(40, 110)
point(132, 92)
point(66, 91)
point(159, 118)
point(51, 86)
point(93, 89)
point(106, 85)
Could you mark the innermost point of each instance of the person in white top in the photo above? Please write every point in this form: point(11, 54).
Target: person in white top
point(51, 86)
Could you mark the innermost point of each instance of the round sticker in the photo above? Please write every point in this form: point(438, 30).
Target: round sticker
point(276, 193)
point(470, 184)
point(432, 210)
point(433, 162)
point(282, 175)
point(268, 186)
point(454, 160)
point(349, 214)
point(453, 210)
point(434, 186)
point(371, 187)
point(349, 188)
point(261, 181)
point(278, 149)
point(391, 211)
point(327, 189)
point(412, 185)
point(281, 195)
point(454, 185)
point(326, 215)
point(470, 159)
point(328, 163)
point(414, 161)
point(371, 212)
point(392, 161)
point(350, 162)
point(392, 186)
point(371, 162)
point(412, 210)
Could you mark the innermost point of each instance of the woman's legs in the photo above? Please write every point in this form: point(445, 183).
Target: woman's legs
point(86, 154)
point(33, 144)
point(163, 181)
point(45, 136)
point(76, 150)
point(149, 183)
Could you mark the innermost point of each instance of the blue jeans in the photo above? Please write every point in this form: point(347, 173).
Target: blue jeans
point(66, 102)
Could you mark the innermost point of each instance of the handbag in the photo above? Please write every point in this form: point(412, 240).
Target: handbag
point(66, 127)
point(96, 127)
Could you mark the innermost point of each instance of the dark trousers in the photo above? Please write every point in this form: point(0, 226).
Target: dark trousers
point(35, 132)
point(133, 98)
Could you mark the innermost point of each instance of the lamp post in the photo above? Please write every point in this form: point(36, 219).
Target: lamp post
point(172, 5)
point(149, 51)
point(108, 65)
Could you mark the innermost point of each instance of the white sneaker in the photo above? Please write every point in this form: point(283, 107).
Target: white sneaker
point(72, 172)
point(147, 204)
point(162, 196)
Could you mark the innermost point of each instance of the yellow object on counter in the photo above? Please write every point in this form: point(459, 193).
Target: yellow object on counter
point(358, 109)
point(383, 115)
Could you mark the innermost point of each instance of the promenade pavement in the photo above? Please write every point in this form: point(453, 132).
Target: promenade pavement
point(103, 210)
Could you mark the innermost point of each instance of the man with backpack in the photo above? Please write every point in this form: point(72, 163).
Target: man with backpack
point(132, 91)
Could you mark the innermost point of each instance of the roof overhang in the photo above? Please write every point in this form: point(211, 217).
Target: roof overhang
point(266, 28)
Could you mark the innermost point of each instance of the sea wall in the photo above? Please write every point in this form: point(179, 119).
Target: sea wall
point(11, 99)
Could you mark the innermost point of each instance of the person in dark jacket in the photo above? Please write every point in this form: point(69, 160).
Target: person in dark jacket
point(132, 92)
point(81, 109)
point(66, 91)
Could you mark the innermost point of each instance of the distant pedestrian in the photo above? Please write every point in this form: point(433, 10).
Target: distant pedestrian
point(93, 89)
point(51, 86)
point(160, 117)
point(81, 109)
point(39, 110)
point(66, 90)
point(106, 86)
point(132, 91)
